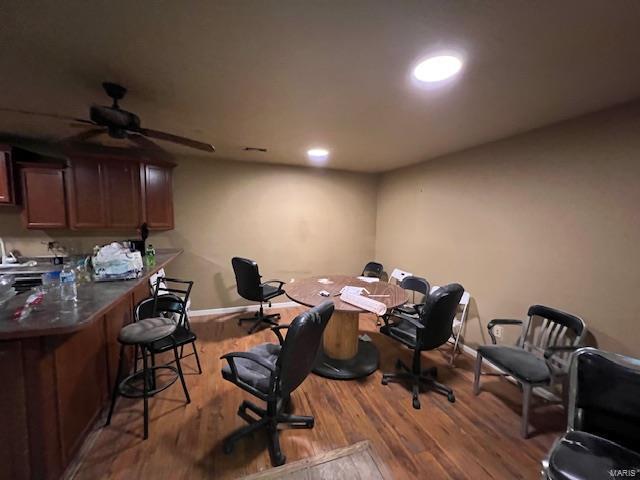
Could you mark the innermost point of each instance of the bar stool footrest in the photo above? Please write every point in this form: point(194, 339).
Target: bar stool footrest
point(128, 388)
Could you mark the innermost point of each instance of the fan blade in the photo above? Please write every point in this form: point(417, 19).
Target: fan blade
point(81, 137)
point(43, 114)
point(187, 142)
point(150, 146)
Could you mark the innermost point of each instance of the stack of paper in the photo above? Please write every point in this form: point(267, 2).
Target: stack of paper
point(365, 303)
point(369, 279)
point(354, 290)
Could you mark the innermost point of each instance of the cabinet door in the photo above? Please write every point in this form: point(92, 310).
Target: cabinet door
point(6, 179)
point(122, 187)
point(158, 197)
point(87, 207)
point(43, 197)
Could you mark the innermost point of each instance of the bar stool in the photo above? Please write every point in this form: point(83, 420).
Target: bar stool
point(141, 335)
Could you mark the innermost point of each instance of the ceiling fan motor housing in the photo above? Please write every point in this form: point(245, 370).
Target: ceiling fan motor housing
point(115, 118)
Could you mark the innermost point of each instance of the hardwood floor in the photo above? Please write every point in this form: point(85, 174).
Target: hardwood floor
point(473, 438)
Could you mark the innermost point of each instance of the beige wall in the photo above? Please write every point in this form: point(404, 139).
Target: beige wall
point(295, 222)
point(547, 217)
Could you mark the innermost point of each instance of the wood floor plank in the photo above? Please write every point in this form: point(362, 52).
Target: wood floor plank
point(476, 437)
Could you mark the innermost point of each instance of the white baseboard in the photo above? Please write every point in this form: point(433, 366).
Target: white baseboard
point(239, 309)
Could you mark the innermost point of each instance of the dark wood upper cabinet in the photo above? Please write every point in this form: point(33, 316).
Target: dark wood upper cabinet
point(89, 190)
point(158, 196)
point(6, 177)
point(86, 187)
point(122, 189)
point(43, 194)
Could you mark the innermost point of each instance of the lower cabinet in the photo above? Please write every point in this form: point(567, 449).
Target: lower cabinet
point(54, 389)
point(116, 318)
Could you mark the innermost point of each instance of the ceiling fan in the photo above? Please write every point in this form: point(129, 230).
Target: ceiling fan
point(119, 123)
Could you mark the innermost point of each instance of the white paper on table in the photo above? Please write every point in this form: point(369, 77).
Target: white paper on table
point(365, 303)
point(325, 281)
point(354, 290)
point(369, 279)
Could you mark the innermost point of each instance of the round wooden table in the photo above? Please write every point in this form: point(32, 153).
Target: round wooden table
point(343, 354)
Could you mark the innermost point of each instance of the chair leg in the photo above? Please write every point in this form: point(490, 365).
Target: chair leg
point(477, 373)
point(145, 391)
point(179, 367)
point(526, 408)
point(114, 392)
point(135, 359)
point(415, 389)
point(455, 349)
point(275, 453)
point(297, 421)
point(152, 373)
point(230, 441)
point(195, 352)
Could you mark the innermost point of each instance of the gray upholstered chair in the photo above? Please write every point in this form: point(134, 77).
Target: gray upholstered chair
point(541, 355)
point(603, 427)
point(271, 372)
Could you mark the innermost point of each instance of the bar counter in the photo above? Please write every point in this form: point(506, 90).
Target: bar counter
point(57, 368)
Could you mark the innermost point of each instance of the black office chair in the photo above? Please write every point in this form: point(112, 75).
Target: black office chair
point(251, 287)
point(272, 372)
point(603, 432)
point(541, 356)
point(415, 285)
point(372, 269)
point(428, 331)
point(173, 307)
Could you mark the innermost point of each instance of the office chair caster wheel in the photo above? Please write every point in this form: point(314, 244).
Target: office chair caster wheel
point(416, 403)
point(451, 397)
point(385, 381)
point(227, 448)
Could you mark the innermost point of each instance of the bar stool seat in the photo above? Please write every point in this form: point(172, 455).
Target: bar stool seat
point(142, 384)
point(147, 331)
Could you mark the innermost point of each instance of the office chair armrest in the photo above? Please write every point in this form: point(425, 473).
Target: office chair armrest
point(277, 329)
point(415, 307)
point(412, 320)
point(551, 351)
point(230, 358)
point(500, 321)
point(281, 283)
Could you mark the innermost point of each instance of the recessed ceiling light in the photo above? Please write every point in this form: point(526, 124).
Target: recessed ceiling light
point(318, 155)
point(437, 69)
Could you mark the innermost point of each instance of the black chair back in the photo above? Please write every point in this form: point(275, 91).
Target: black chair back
point(301, 345)
point(548, 327)
point(438, 315)
point(416, 284)
point(605, 396)
point(247, 278)
point(372, 269)
point(170, 306)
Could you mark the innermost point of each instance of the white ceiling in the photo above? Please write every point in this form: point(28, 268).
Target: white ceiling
point(292, 74)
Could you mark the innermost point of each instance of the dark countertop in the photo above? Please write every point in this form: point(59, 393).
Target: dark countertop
point(94, 300)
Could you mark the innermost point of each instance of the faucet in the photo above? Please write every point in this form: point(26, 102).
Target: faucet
point(4, 258)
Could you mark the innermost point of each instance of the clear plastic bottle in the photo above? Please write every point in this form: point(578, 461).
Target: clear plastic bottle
point(68, 288)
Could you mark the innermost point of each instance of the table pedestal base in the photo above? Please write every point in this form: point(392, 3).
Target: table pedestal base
point(364, 363)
